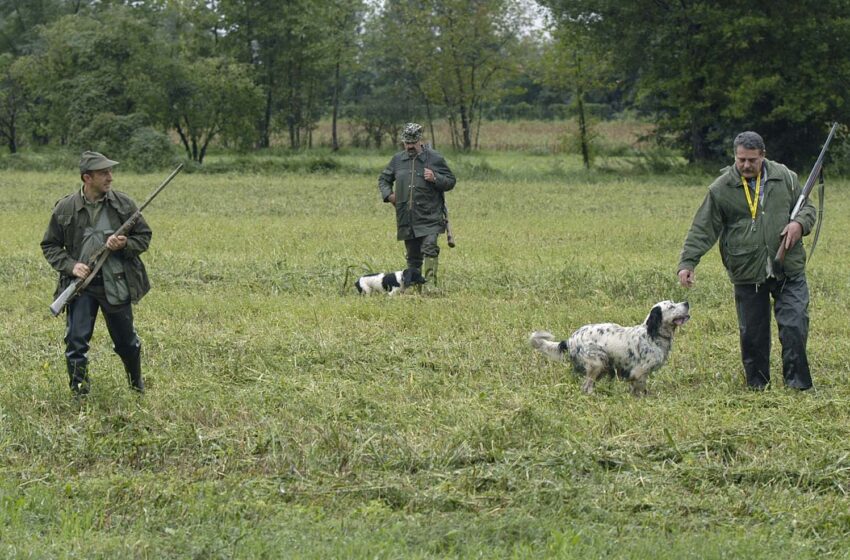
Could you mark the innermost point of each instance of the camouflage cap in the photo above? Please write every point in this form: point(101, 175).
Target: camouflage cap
point(93, 161)
point(411, 133)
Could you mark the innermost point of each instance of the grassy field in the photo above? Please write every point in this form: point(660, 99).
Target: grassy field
point(284, 419)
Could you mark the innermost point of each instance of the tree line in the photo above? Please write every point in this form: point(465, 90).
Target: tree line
point(247, 73)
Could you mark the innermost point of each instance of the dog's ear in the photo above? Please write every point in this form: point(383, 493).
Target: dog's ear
point(389, 282)
point(407, 276)
point(653, 322)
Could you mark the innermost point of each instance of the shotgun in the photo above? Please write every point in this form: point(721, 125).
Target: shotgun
point(100, 256)
point(450, 236)
point(817, 171)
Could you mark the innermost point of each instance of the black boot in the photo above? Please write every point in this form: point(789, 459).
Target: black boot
point(79, 379)
point(133, 367)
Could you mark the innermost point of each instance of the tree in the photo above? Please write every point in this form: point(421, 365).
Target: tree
point(211, 97)
point(82, 66)
point(458, 52)
point(284, 42)
point(575, 60)
point(709, 69)
point(12, 103)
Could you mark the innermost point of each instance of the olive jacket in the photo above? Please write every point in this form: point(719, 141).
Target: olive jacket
point(419, 204)
point(63, 240)
point(747, 248)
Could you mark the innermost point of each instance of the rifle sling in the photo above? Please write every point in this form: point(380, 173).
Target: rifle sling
point(821, 191)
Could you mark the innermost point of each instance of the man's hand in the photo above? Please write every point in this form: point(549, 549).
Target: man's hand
point(391, 199)
point(116, 242)
point(792, 234)
point(429, 175)
point(686, 278)
point(81, 270)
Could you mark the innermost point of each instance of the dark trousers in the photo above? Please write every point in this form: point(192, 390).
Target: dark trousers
point(82, 313)
point(790, 307)
point(420, 247)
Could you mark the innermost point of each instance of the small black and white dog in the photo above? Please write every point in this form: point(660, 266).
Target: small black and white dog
point(390, 282)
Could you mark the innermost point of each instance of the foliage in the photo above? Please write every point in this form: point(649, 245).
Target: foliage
point(86, 66)
point(458, 54)
point(787, 65)
point(577, 61)
point(208, 98)
point(283, 419)
point(293, 51)
point(12, 104)
point(381, 64)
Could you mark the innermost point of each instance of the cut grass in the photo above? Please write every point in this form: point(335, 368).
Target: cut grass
point(286, 420)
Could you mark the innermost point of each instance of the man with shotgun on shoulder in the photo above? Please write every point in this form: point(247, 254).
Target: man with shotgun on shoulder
point(750, 209)
point(81, 224)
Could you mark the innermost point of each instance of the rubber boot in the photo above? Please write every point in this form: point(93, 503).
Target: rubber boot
point(133, 367)
point(429, 272)
point(79, 379)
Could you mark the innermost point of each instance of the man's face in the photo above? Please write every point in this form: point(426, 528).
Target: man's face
point(99, 182)
point(413, 148)
point(748, 161)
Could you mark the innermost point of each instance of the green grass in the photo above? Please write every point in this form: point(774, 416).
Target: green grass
point(284, 419)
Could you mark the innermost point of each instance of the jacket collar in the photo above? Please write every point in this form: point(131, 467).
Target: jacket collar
point(79, 202)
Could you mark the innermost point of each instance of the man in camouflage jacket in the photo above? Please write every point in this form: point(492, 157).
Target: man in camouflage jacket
point(421, 177)
point(80, 224)
point(748, 209)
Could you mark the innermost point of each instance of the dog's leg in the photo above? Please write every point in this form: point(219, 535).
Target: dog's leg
point(593, 375)
point(638, 382)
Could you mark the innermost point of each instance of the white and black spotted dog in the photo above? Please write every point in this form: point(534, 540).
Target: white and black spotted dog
point(629, 352)
point(391, 283)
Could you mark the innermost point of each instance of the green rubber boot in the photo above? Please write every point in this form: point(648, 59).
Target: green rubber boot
point(429, 272)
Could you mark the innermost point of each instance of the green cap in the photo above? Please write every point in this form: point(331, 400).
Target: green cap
point(93, 161)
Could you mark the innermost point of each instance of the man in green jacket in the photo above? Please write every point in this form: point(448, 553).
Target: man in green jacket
point(748, 209)
point(421, 177)
point(81, 223)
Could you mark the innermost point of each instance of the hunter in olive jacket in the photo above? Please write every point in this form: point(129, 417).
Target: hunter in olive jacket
point(418, 203)
point(747, 249)
point(63, 239)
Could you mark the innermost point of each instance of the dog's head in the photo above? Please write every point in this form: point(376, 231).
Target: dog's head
point(411, 276)
point(665, 316)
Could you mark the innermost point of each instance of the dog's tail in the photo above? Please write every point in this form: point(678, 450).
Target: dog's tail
point(545, 343)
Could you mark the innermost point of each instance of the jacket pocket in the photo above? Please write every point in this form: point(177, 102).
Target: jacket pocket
point(742, 261)
point(137, 278)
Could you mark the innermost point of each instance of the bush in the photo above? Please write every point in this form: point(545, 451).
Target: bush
point(128, 139)
point(149, 150)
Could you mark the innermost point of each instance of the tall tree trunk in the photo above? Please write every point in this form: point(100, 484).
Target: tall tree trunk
point(582, 132)
point(334, 137)
point(478, 127)
point(699, 151)
point(465, 128)
point(266, 123)
point(183, 139)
